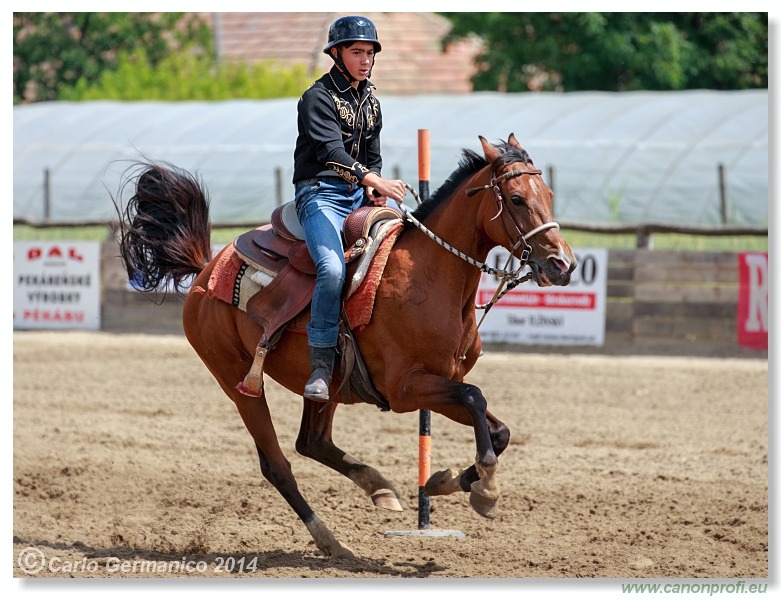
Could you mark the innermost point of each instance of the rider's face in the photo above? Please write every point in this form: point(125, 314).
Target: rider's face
point(358, 59)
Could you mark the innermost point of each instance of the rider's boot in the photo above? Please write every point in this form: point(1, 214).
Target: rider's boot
point(321, 361)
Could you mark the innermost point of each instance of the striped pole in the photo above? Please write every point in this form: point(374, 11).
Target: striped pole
point(424, 423)
point(424, 430)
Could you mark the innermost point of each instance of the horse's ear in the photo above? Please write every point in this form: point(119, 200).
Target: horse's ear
point(514, 141)
point(491, 153)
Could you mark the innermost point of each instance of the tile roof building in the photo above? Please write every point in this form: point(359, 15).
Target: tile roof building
point(412, 60)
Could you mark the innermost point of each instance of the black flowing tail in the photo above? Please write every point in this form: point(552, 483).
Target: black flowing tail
point(164, 231)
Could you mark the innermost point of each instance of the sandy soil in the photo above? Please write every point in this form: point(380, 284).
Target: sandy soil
point(129, 459)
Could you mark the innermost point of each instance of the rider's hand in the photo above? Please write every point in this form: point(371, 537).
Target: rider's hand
point(393, 189)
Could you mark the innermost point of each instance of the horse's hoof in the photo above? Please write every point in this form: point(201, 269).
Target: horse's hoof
point(325, 540)
point(387, 501)
point(485, 507)
point(443, 483)
point(484, 498)
point(341, 552)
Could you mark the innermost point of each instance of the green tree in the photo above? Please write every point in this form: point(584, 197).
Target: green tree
point(53, 50)
point(187, 77)
point(617, 51)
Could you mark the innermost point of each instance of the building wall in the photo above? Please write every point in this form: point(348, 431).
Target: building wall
point(412, 60)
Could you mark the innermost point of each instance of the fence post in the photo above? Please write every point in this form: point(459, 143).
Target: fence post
point(644, 241)
point(47, 195)
point(723, 194)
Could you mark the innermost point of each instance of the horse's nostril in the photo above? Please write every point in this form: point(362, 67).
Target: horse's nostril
point(559, 265)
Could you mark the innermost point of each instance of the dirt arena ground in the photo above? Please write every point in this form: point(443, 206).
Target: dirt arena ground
point(128, 461)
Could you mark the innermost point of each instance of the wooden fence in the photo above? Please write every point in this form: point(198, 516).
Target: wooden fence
point(679, 296)
point(653, 296)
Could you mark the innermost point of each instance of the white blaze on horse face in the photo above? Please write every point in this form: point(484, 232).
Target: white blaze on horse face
point(534, 184)
point(537, 189)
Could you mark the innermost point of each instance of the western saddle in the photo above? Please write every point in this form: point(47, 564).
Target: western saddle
point(279, 249)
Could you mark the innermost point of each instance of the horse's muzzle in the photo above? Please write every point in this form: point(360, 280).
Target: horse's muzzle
point(556, 270)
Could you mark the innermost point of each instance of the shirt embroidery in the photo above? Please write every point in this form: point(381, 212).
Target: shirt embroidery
point(345, 109)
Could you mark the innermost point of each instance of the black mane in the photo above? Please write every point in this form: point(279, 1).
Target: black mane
point(469, 164)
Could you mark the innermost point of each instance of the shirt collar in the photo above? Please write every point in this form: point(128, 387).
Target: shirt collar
point(342, 83)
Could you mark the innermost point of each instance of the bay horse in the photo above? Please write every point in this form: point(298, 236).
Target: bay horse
point(420, 342)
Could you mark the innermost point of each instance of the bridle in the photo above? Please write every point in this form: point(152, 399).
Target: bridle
point(508, 279)
point(521, 238)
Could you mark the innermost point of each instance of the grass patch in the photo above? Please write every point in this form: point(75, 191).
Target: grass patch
point(577, 239)
point(670, 241)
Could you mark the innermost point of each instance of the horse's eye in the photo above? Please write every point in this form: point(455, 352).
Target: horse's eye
point(518, 200)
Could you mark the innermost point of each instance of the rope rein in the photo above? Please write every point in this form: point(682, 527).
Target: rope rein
point(484, 267)
point(510, 279)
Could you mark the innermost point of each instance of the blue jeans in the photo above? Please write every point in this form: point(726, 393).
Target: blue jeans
point(322, 205)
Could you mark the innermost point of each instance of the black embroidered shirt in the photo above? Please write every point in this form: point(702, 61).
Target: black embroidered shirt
point(338, 130)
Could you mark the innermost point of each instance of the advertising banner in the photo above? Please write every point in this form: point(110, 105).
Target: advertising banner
point(753, 300)
point(529, 314)
point(56, 285)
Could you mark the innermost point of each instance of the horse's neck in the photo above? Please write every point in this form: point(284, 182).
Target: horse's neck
point(455, 222)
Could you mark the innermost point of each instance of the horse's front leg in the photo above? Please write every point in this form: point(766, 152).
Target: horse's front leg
point(465, 404)
point(451, 481)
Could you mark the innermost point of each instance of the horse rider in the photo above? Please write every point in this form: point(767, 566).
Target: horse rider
point(337, 169)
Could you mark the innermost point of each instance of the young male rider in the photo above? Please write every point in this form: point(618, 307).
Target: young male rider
point(337, 165)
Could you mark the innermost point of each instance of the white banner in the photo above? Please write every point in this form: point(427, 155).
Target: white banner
point(56, 285)
point(567, 316)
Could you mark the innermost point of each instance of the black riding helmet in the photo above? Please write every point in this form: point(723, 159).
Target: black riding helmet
point(352, 29)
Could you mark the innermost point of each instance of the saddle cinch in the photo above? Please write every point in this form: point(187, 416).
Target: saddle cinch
point(277, 279)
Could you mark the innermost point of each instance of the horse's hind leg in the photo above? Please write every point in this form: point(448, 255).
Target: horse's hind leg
point(229, 360)
point(276, 469)
point(315, 442)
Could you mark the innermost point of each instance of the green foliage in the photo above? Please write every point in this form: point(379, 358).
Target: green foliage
point(55, 50)
point(189, 77)
point(98, 55)
point(617, 51)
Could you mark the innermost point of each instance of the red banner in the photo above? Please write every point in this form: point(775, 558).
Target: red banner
point(528, 299)
point(753, 300)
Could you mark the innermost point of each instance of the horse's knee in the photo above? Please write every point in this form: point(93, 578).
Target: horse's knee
point(304, 446)
point(471, 398)
point(500, 438)
point(313, 447)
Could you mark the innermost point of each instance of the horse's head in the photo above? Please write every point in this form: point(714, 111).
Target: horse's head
point(518, 213)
